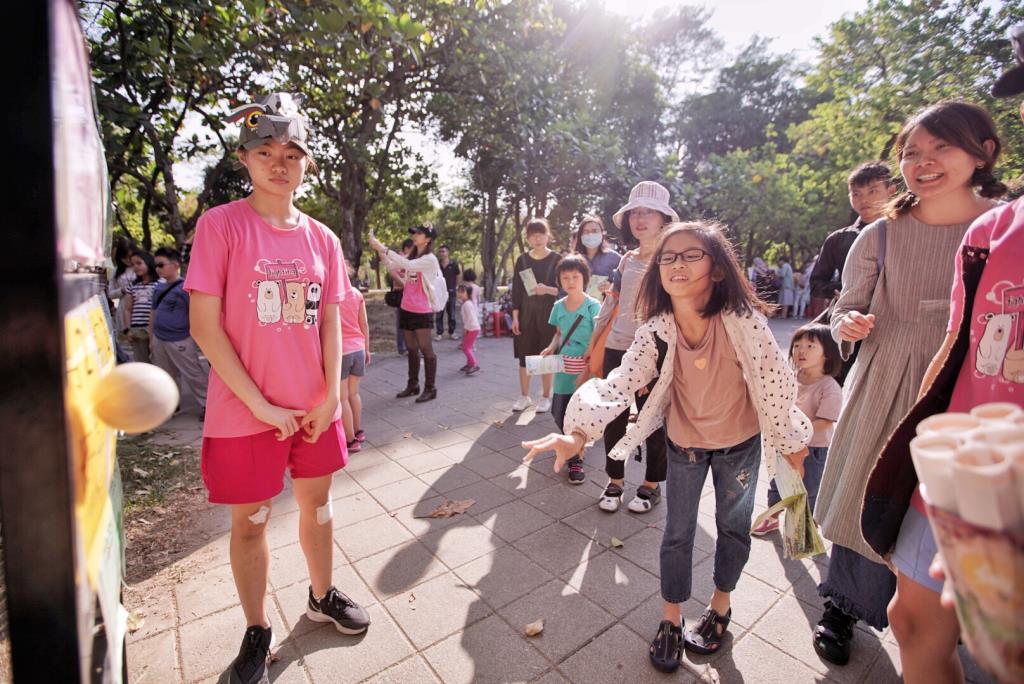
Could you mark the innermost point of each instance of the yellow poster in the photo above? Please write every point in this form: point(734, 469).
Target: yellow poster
point(89, 356)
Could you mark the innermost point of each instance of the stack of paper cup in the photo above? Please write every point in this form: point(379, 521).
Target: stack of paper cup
point(971, 468)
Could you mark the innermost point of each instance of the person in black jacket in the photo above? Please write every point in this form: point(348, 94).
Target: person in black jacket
point(870, 186)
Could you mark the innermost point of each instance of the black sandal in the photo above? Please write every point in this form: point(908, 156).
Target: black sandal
point(667, 647)
point(704, 637)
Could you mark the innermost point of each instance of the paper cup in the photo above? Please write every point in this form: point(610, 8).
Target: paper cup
point(1006, 437)
point(985, 493)
point(933, 454)
point(948, 423)
point(983, 568)
point(999, 411)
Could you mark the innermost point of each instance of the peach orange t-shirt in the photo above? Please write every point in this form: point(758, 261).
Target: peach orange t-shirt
point(711, 406)
point(274, 285)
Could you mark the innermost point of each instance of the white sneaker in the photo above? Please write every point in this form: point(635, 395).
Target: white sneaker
point(456, 336)
point(522, 403)
point(611, 498)
point(544, 405)
point(438, 338)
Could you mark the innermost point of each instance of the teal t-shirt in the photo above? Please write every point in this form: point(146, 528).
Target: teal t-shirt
point(561, 318)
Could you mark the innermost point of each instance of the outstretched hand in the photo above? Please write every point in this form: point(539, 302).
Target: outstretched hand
point(564, 446)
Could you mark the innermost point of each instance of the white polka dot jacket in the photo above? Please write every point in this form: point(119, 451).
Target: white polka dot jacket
point(770, 380)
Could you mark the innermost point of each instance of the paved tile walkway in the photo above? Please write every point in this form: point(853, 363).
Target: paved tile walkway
point(449, 598)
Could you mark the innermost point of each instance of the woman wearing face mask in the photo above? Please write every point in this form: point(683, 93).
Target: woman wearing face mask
point(592, 244)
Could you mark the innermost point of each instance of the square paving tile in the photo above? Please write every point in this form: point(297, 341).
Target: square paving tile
point(334, 657)
point(399, 569)
point(416, 518)
point(438, 607)
point(343, 485)
point(488, 652)
point(593, 522)
point(490, 464)
point(503, 575)
point(205, 593)
point(402, 493)
point(440, 437)
point(355, 508)
point(461, 543)
point(514, 520)
point(523, 481)
point(425, 461)
point(447, 479)
point(560, 501)
point(617, 655)
point(788, 627)
point(570, 619)
point(613, 583)
point(370, 536)
point(381, 473)
point(154, 660)
point(406, 672)
point(750, 601)
point(558, 548)
point(752, 660)
point(485, 495)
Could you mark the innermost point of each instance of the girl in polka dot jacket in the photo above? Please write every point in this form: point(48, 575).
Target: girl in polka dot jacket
point(725, 395)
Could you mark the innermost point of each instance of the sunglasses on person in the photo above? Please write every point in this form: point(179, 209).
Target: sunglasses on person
point(689, 256)
point(161, 264)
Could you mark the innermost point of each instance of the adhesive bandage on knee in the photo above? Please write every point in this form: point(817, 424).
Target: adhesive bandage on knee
point(324, 513)
point(260, 516)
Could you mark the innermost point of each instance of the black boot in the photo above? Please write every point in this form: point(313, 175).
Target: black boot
point(430, 373)
point(833, 635)
point(413, 385)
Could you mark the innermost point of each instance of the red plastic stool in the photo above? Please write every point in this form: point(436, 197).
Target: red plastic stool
point(498, 323)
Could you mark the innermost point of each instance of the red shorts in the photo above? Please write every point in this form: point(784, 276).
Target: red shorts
point(240, 470)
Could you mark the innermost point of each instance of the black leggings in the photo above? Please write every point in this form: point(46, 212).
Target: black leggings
point(657, 463)
point(419, 341)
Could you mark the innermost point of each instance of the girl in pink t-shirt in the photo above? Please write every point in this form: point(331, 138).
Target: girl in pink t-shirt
point(265, 282)
point(355, 357)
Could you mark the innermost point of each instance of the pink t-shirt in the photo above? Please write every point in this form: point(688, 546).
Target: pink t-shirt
point(820, 399)
point(274, 285)
point(994, 367)
point(414, 299)
point(352, 339)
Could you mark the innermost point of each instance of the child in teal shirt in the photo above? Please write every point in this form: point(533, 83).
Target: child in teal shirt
point(571, 340)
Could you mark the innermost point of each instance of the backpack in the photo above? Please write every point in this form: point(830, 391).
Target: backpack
point(436, 289)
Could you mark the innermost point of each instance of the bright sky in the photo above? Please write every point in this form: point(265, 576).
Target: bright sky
point(793, 23)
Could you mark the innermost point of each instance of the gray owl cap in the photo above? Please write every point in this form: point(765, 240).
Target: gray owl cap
point(275, 116)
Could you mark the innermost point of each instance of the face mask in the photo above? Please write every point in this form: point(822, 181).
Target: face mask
point(591, 240)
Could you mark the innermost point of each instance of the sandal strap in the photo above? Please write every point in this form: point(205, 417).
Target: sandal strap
point(707, 625)
point(613, 490)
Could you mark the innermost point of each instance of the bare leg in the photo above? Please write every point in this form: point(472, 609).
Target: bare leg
point(524, 382)
point(250, 559)
point(346, 411)
point(927, 634)
point(545, 382)
point(355, 403)
point(315, 528)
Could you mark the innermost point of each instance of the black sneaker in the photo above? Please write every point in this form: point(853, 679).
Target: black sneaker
point(576, 474)
point(347, 616)
point(833, 635)
point(250, 667)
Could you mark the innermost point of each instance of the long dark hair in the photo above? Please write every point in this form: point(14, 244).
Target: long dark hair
point(123, 248)
point(150, 263)
point(429, 249)
point(626, 233)
point(962, 125)
point(731, 292)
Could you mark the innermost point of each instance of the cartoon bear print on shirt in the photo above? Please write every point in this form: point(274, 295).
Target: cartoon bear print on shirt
point(994, 343)
point(312, 303)
point(295, 302)
point(268, 301)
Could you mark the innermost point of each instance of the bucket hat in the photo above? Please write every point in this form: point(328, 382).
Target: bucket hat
point(271, 117)
point(646, 194)
point(1012, 82)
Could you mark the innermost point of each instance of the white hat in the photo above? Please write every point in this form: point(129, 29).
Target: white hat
point(646, 194)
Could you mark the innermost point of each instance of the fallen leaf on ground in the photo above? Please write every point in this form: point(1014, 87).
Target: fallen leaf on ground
point(140, 472)
point(412, 599)
point(448, 508)
point(616, 543)
point(406, 435)
point(135, 622)
point(535, 628)
point(498, 423)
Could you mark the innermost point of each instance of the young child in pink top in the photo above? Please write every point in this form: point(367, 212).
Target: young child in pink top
point(470, 325)
point(355, 357)
point(265, 282)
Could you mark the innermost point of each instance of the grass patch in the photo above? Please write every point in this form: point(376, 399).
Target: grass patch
point(153, 473)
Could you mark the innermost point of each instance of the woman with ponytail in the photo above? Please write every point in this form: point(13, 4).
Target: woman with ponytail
point(895, 298)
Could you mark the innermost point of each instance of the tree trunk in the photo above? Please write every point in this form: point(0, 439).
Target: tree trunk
point(488, 243)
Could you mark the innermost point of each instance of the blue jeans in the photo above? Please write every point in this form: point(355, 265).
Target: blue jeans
point(814, 467)
point(449, 309)
point(734, 472)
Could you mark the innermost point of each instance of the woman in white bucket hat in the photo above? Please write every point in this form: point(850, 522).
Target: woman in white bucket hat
point(640, 222)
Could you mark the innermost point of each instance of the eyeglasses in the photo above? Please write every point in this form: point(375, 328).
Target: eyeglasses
point(689, 256)
point(162, 264)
